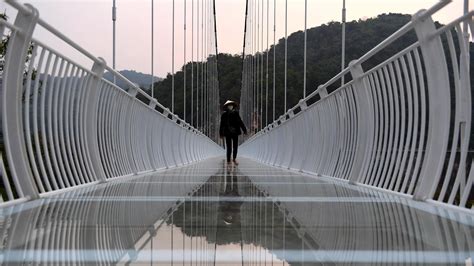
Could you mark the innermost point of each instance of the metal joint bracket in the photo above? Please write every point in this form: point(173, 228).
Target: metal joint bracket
point(153, 104)
point(133, 91)
point(323, 92)
point(282, 119)
point(356, 70)
point(291, 113)
point(303, 105)
point(166, 112)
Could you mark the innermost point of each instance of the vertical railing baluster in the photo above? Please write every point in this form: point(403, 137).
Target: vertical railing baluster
point(92, 101)
point(364, 120)
point(439, 106)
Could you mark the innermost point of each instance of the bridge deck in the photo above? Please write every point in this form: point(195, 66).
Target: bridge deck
point(212, 214)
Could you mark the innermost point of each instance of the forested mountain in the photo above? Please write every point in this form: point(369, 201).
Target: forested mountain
point(323, 55)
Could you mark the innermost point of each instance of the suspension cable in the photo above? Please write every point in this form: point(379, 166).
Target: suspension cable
point(172, 62)
point(255, 72)
point(152, 50)
point(206, 95)
point(257, 80)
point(204, 70)
point(244, 83)
point(305, 45)
point(343, 52)
point(197, 65)
point(184, 64)
point(201, 117)
point(266, 93)
point(261, 65)
point(216, 81)
point(274, 57)
point(286, 54)
point(192, 63)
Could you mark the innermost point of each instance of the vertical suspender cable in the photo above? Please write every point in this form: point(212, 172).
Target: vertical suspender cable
point(254, 65)
point(343, 52)
point(258, 65)
point(266, 93)
point(261, 66)
point(152, 51)
point(114, 19)
point(206, 96)
point(197, 65)
point(204, 61)
point(466, 31)
point(249, 66)
point(204, 65)
point(192, 63)
point(244, 88)
point(286, 53)
point(201, 117)
point(305, 44)
point(216, 108)
point(274, 56)
point(172, 63)
point(184, 65)
point(255, 75)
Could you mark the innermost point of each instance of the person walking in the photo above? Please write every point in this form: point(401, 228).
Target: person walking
point(231, 127)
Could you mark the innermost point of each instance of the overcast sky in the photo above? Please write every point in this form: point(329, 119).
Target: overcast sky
point(88, 22)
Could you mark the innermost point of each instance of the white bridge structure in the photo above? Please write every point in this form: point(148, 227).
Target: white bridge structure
point(374, 170)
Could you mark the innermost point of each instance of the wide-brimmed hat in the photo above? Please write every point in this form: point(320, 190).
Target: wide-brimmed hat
point(230, 102)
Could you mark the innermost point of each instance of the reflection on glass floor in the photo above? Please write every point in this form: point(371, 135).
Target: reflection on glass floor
point(210, 214)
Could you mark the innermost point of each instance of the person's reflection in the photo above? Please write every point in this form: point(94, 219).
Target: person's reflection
point(229, 209)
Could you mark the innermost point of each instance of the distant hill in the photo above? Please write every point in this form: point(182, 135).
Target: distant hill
point(142, 79)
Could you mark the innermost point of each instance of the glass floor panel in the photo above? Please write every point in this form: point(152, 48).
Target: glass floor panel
point(213, 214)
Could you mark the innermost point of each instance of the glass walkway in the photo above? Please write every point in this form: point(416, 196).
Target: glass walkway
point(213, 214)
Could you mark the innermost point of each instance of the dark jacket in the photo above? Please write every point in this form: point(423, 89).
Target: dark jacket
point(231, 124)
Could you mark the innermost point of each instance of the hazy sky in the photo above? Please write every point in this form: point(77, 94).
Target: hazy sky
point(88, 22)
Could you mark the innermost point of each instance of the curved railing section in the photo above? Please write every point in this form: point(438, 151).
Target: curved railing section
point(64, 125)
point(403, 126)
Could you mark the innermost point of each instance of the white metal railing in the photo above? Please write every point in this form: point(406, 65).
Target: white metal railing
point(64, 126)
point(403, 125)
